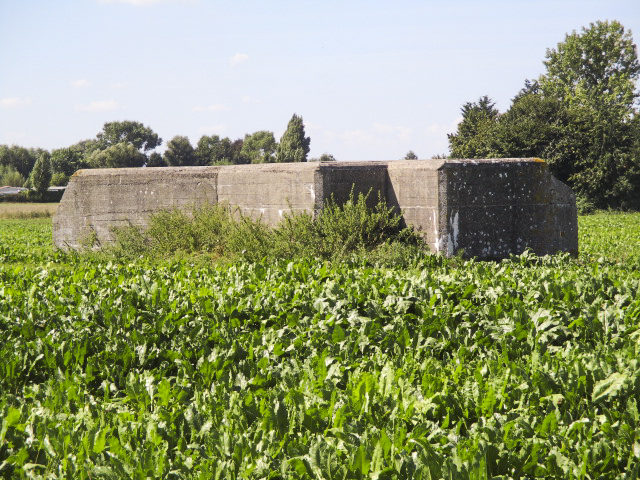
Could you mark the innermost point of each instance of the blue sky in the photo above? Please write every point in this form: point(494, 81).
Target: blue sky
point(371, 79)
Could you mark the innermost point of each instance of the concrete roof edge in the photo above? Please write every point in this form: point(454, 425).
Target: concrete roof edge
point(428, 163)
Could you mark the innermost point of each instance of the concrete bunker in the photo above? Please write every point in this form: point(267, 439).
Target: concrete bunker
point(488, 208)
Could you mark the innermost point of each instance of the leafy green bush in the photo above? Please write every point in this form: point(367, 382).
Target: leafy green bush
point(584, 205)
point(222, 231)
point(353, 226)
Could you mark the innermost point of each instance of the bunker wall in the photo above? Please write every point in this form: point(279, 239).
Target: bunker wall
point(267, 192)
point(487, 208)
point(339, 180)
point(96, 201)
point(496, 208)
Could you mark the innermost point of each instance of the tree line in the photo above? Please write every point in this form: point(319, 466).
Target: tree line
point(123, 144)
point(581, 116)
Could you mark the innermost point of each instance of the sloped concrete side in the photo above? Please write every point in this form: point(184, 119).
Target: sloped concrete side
point(413, 190)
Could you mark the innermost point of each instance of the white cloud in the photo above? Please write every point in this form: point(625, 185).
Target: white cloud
point(14, 102)
point(83, 82)
point(248, 99)
point(210, 108)
point(98, 106)
point(238, 58)
point(400, 131)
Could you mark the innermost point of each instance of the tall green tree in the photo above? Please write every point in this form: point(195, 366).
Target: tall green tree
point(581, 116)
point(259, 147)
point(235, 152)
point(156, 160)
point(594, 73)
point(9, 176)
point(210, 150)
point(41, 174)
point(539, 125)
point(68, 160)
point(213, 150)
point(474, 135)
point(120, 155)
point(20, 158)
point(127, 131)
point(596, 68)
point(180, 153)
point(293, 146)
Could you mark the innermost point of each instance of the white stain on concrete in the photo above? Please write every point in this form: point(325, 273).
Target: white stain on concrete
point(311, 190)
point(436, 233)
point(452, 237)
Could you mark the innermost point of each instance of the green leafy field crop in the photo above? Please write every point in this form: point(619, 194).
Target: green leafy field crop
point(526, 368)
point(614, 236)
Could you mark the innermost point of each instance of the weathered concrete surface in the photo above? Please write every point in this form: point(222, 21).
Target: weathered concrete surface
point(488, 208)
point(492, 208)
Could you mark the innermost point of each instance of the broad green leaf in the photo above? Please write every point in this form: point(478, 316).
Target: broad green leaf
point(13, 417)
point(610, 386)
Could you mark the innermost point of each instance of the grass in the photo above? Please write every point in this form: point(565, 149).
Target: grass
point(20, 210)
